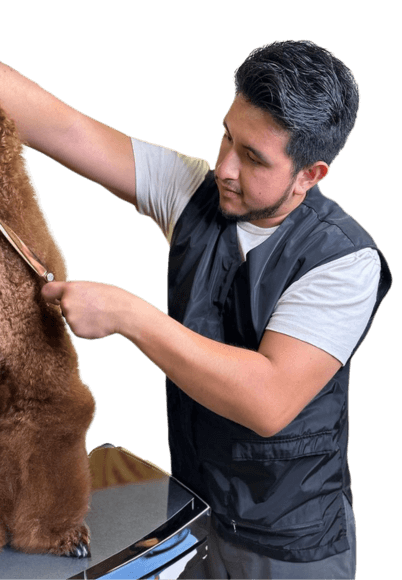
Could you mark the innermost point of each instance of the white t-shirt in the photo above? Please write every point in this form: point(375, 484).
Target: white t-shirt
point(328, 307)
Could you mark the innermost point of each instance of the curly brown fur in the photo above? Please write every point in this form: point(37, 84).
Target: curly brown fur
point(45, 409)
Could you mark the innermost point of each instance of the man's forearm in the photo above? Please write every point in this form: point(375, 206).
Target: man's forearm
point(263, 390)
point(75, 140)
point(228, 380)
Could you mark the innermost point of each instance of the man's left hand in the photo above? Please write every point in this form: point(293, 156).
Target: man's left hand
point(91, 309)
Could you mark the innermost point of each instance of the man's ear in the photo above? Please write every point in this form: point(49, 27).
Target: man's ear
point(307, 178)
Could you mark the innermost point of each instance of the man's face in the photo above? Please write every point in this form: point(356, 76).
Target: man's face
point(253, 172)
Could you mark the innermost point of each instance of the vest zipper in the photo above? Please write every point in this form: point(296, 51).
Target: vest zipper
point(234, 526)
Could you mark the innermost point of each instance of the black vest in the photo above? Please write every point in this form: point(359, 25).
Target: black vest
point(282, 495)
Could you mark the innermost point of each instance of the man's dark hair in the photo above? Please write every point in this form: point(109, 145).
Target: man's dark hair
point(308, 92)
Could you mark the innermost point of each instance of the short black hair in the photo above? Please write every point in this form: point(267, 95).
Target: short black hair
point(308, 92)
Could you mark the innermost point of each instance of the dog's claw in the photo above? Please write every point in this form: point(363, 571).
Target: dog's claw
point(80, 551)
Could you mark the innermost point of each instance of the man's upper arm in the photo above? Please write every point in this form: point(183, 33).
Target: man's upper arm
point(299, 370)
point(99, 153)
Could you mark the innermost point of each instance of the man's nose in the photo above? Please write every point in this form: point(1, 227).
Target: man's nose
point(228, 166)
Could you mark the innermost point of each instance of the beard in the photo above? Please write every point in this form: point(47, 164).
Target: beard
point(268, 211)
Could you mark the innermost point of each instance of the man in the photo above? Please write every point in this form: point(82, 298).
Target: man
point(272, 287)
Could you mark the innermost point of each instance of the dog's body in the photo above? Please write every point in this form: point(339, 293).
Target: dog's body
point(45, 409)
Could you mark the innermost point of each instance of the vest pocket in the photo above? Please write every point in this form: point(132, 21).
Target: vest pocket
point(278, 485)
point(310, 527)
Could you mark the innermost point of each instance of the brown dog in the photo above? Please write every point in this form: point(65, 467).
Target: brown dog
point(45, 409)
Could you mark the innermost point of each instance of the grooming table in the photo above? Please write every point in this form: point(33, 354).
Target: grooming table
point(143, 522)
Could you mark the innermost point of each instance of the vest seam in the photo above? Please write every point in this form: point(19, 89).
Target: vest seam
point(329, 223)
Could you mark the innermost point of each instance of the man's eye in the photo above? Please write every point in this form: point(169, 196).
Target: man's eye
point(254, 161)
point(227, 136)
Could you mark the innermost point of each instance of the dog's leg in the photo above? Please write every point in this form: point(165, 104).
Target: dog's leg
point(50, 510)
point(3, 535)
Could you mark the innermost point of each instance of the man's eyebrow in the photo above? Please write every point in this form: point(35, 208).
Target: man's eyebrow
point(261, 156)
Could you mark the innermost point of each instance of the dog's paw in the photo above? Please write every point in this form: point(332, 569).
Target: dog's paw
point(80, 551)
point(75, 544)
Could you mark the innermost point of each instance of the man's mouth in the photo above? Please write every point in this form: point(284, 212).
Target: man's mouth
point(228, 194)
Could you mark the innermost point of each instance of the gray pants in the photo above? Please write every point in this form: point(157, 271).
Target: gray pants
point(228, 561)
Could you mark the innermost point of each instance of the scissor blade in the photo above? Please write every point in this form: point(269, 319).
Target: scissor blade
point(25, 253)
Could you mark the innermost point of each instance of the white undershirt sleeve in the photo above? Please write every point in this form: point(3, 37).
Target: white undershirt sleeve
point(330, 306)
point(165, 182)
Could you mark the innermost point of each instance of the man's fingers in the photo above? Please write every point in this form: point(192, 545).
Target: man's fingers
point(53, 292)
